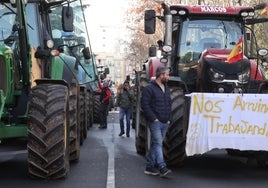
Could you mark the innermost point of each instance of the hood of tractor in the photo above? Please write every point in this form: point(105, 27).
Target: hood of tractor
point(216, 53)
point(216, 59)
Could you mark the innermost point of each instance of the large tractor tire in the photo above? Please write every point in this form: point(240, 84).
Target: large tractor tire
point(48, 132)
point(175, 140)
point(96, 109)
point(262, 158)
point(134, 107)
point(82, 115)
point(142, 138)
point(74, 122)
point(140, 121)
point(89, 108)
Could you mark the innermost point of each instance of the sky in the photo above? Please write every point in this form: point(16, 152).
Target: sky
point(105, 23)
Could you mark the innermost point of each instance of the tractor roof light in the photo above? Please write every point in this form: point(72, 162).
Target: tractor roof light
point(246, 14)
point(173, 12)
point(251, 14)
point(167, 48)
point(182, 12)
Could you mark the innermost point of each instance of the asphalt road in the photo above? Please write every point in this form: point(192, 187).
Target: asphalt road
point(109, 161)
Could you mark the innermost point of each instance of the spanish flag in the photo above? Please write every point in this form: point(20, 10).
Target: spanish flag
point(237, 52)
point(264, 11)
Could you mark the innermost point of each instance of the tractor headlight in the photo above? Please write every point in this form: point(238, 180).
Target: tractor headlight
point(244, 77)
point(182, 12)
point(167, 48)
point(263, 52)
point(216, 76)
point(173, 12)
point(50, 44)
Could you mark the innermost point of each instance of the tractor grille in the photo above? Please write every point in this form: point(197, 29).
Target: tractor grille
point(2, 74)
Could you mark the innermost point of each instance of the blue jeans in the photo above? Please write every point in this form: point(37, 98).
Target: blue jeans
point(124, 112)
point(155, 155)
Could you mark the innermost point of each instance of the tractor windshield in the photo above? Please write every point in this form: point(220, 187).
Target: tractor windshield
point(198, 35)
point(72, 43)
point(7, 24)
point(195, 36)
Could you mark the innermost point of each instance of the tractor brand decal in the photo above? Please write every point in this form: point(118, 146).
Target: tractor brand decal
point(238, 121)
point(213, 9)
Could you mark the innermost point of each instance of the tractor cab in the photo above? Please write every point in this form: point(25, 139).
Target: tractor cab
point(194, 36)
point(201, 40)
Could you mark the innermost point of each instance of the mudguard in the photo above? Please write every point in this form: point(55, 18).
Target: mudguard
point(62, 71)
point(64, 67)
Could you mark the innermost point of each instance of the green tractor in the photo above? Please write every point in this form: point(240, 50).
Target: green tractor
point(39, 89)
point(87, 73)
point(90, 75)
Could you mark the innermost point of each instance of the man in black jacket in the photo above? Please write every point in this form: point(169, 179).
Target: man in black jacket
point(156, 106)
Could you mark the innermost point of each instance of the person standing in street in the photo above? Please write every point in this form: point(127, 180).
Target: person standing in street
point(156, 106)
point(105, 95)
point(125, 97)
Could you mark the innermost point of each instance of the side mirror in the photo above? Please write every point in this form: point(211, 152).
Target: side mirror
point(86, 53)
point(152, 51)
point(149, 22)
point(67, 19)
point(106, 70)
point(248, 36)
point(128, 78)
point(102, 76)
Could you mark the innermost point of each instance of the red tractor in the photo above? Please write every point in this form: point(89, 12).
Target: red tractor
point(209, 49)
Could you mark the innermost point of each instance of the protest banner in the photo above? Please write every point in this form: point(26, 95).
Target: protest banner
point(237, 121)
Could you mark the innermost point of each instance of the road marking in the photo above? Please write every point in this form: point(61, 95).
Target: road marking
point(110, 170)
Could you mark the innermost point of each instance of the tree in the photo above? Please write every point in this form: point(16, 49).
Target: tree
point(139, 41)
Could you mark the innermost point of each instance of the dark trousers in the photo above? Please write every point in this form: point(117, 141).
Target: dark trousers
point(103, 114)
